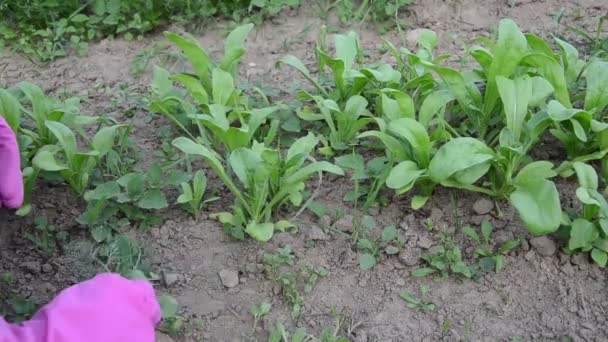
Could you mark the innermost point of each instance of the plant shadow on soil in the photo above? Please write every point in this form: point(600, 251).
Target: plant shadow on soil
point(535, 297)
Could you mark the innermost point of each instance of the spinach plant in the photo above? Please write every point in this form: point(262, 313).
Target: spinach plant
point(389, 243)
point(193, 195)
point(262, 181)
point(588, 231)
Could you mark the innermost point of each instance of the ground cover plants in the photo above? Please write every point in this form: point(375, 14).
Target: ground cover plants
point(397, 133)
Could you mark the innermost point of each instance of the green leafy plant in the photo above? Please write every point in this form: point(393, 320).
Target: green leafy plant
point(388, 243)
point(258, 312)
point(193, 194)
point(447, 259)
point(420, 304)
point(267, 181)
point(369, 178)
point(281, 268)
point(588, 232)
point(490, 260)
point(171, 322)
point(45, 235)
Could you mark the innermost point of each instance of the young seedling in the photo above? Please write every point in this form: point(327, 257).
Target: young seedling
point(420, 304)
point(491, 260)
point(389, 243)
point(193, 194)
point(258, 312)
point(447, 259)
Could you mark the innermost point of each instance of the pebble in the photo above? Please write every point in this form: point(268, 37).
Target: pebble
point(424, 242)
point(283, 239)
point(47, 268)
point(579, 259)
point(230, 278)
point(345, 224)
point(410, 256)
point(317, 234)
point(543, 245)
point(31, 266)
point(525, 246)
point(169, 279)
point(483, 206)
point(400, 282)
point(325, 219)
point(529, 255)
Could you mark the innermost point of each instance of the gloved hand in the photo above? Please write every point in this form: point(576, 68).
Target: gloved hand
point(107, 308)
point(11, 181)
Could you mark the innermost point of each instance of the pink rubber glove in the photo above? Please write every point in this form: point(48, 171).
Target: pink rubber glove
point(107, 308)
point(11, 181)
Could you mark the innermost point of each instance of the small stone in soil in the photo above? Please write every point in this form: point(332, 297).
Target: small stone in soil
point(579, 259)
point(31, 266)
point(410, 256)
point(400, 282)
point(317, 234)
point(529, 255)
point(483, 206)
point(47, 268)
point(169, 279)
point(326, 220)
point(543, 245)
point(230, 278)
point(425, 242)
point(345, 224)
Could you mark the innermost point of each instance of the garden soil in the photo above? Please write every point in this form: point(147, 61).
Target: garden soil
point(542, 294)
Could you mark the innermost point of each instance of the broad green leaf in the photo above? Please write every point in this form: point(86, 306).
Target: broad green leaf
point(243, 161)
point(187, 195)
point(103, 191)
point(535, 170)
point(508, 52)
point(297, 64)
point(316, 167)
point(419, 201)
point(260, 231)
point(366, 261)
point(458, 155)
point(194, 86)
point(65, 136)
point(600, 257)
point(223, 86)
point(558, 112)
point(153, 199)
point(10, 109)
point(455, 82)
point(347, 48)
point(432, 105)
point(283, 226)
point(403, 176)
point(103, 141)
point(389, 233)
point(234, 47)
point(537, 202)
point(393, 146)
point(541, 90)
point(45, 160)
point(168, 306)
point(415, 134)
point(472, 233)
point(551, 70)
point(515, 96)
point(587, 177)
point(596, 96)
point(38, 100)
point(196, 55)
point(582, 235)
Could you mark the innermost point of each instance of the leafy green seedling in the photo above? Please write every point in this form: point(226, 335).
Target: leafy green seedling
point(491, 260)
point(446, 259)
point(258, 312)
point(389, 243)
point(171, 322)
point(45, 235)
point(588, 232)
point(193, 194)
point(420, 304)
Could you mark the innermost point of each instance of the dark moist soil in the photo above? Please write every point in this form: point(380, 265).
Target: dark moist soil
point(542, 294)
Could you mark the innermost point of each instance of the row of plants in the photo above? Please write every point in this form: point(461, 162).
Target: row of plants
point(43, 30)
point(411, 127)
point(425, 125)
